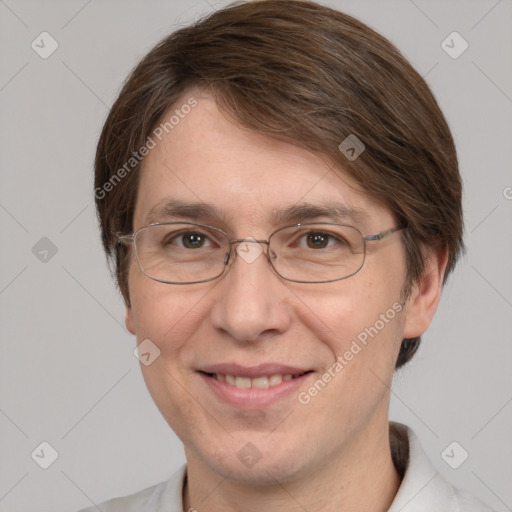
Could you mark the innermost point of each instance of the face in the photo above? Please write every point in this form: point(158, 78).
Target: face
point(251, 323)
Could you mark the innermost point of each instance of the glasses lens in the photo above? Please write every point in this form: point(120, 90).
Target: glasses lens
point(316, 253)
point(181, 253)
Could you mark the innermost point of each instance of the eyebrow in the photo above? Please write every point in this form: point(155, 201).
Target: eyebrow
point(197, 211)
point(306, 211)
point(175, 208)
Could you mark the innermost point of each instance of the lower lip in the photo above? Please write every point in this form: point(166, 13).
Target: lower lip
point(252, 398)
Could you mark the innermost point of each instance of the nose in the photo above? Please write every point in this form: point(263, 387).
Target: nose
point(251, 300)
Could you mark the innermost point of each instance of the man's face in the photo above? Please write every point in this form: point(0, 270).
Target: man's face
point(251, 317)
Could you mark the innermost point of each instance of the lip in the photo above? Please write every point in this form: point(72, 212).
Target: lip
point(254, 371)
point(254, 398)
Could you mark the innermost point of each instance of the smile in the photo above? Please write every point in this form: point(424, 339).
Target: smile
point(257, 387)
point(260, 382)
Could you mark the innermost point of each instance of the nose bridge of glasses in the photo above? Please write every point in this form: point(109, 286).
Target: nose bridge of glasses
point(247, 255)
point(248, 240)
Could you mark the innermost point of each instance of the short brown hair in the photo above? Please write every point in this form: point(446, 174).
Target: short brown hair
point(306, 74)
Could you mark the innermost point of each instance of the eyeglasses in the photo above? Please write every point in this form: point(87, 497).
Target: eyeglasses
point(188, 253)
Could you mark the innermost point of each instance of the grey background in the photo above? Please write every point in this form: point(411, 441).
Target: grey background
point(68, 375)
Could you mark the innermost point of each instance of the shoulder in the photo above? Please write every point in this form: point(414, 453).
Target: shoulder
point(163, 497)
point(466, 502)
point(423, 488)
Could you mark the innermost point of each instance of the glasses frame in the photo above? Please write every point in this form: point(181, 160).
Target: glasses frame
point(130, 239)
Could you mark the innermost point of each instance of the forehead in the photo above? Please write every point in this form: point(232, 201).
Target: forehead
point(238, 175)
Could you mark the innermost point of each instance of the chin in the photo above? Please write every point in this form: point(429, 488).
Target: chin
point(253, 458)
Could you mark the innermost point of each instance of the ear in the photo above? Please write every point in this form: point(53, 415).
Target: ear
point(425, 295)
point(128, 320)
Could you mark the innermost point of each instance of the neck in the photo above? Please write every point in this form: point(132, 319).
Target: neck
point(361, 477)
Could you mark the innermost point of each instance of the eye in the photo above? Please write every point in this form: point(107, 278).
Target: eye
point(187, 240)
point(319, 240)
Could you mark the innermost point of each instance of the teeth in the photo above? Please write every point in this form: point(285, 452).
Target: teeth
point(242, 382)
point(276, 379)
point(262, 382)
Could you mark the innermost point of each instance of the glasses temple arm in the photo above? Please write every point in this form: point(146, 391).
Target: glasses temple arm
point(124, 239)
point(383, 234)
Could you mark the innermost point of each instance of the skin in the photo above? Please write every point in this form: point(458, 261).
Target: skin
point(333, 453)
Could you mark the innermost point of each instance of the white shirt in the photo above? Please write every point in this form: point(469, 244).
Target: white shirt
point(422, 489)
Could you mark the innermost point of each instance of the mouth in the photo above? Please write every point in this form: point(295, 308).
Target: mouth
point(259, 382)
point(254, 387)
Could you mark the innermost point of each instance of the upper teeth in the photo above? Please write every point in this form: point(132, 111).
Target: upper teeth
point(262, 382)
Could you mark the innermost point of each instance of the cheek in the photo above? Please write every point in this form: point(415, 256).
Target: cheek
point(165, 314)
point(360, 323)
point(362, 331)
point(169, 317)
point(348, 309)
